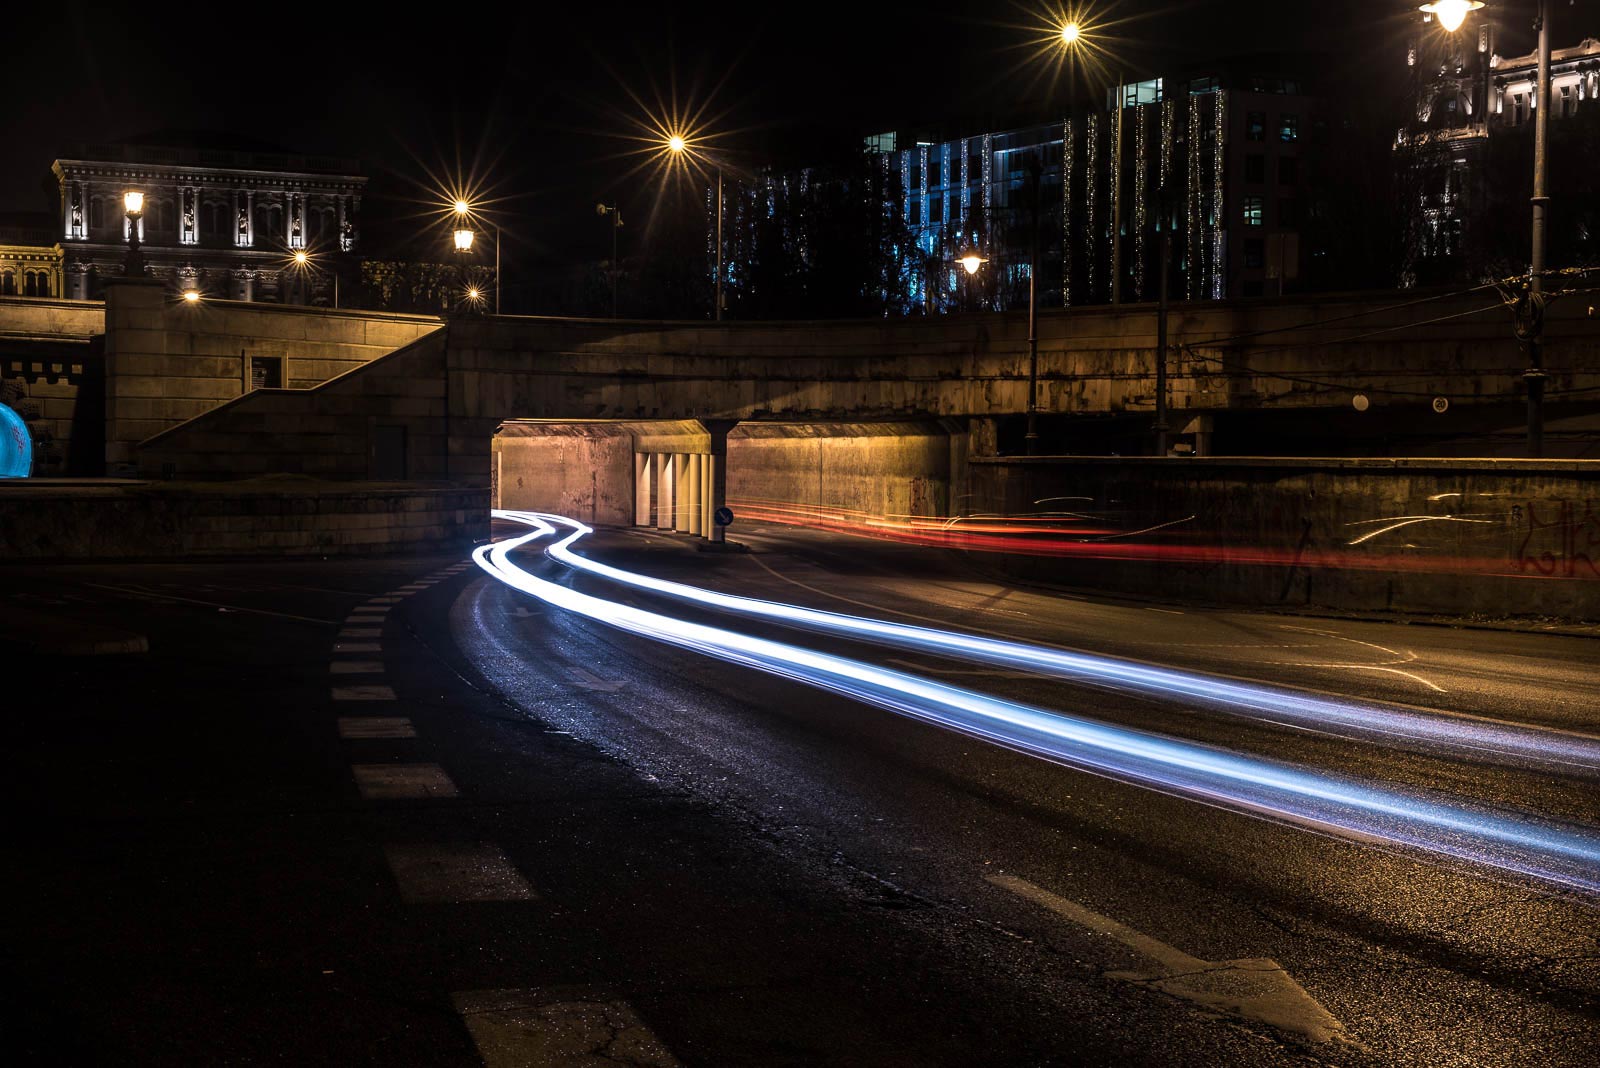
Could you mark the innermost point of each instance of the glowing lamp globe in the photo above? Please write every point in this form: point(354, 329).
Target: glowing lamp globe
point(472, 294)
point(462, 207)
point(133, 202)
point(464, 240)
point(972, 261)
point(676, 143)
point(191, 295)
point(1070, 32)
point(1451, 13)
point(300, 258)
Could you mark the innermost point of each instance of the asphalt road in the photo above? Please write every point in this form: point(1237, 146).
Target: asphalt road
point(652, 854)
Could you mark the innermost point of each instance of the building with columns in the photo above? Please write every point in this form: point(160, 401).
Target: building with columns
point(30, 260)
point(226, 222)
point(1468, 97)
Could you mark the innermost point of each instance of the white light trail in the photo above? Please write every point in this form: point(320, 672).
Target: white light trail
point(1522, 746)
point(1521, 844)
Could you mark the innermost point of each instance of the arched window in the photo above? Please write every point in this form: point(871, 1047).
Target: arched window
point(44, 283)
point(30, 284)
point(8, 284)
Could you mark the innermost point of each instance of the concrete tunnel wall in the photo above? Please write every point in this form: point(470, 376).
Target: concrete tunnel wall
point(591, 470)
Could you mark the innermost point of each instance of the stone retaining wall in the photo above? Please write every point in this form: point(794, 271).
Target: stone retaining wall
point(143, 520)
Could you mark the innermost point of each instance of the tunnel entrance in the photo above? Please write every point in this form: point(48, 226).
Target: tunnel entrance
point(673, 475)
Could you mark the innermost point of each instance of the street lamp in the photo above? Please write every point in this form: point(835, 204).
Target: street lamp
point(616, 224)
point(971, 262)
point(1070, 32)
point(463, 210)
point(133, 205)
point(463, 237)
point(678, 146)
point(1451, 13)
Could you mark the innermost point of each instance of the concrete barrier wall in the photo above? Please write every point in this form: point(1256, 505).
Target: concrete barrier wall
point(262, 518)
point(41, 318)
point(1464, 537)
point(878, 469)
point(585, 472)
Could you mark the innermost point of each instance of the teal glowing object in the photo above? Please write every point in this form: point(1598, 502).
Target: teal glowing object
point(16, 445)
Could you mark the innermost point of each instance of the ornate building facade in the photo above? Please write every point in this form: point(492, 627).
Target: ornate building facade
point(30, 260)
point(1468, 96)
point(223, 222)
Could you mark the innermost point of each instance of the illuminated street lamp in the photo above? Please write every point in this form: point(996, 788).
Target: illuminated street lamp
point(1450, 14)
point(191, 296)
point(971, 262)
point(133, 205)
point(463, 210)
point(1070, 32)
point(678, 146)
point(300, 258)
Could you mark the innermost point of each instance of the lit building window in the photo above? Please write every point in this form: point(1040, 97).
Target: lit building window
point(1288, 126)
point(1256, 126)
point(1255, 210)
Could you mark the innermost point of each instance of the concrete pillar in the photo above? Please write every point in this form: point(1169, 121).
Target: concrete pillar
point(136, 376)
point(643, 478)
point(705, 495)
point(683, 492)
point(697, 496)
point(663, 480)
point(718, 487)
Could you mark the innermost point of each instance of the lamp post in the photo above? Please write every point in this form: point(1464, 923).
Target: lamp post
point(133, 205)
point(463, 210)
point(616, 224)
point(463, 237)
point(678, 146)
point(1451, 14)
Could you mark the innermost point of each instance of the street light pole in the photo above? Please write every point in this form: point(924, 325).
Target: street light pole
point(1535, 376)
point(719, 244)
point(1031, 437)
point(133, 205)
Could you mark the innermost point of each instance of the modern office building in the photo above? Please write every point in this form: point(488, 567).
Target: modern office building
point(224, 221)
point(1217, 154)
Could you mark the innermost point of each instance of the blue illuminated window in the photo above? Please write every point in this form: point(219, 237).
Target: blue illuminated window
point(1255, 210)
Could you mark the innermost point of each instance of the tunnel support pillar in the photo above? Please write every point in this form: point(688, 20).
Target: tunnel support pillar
point(697, 496)
point(663, 480)
point(643, 475)
point(683, 492)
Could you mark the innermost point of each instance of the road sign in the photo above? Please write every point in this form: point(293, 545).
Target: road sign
point(722, 517)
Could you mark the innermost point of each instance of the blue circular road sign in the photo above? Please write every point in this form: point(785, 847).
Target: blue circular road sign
point(722, 516)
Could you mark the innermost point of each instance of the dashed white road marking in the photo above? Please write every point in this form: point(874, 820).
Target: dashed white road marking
point(383, 600)
point(452, 873)
point(360, 632)
point(1254, 988)
point(357, 647)
point(363, 693)
point(376, 727)
point(356, 667)
point(402, 782)
point(558, 1028)
point(378, 611)
point(588, 680)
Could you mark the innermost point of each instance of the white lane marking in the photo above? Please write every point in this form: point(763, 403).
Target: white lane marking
point(360, 632)
point(558, 1028)
point(402, 782)
point(126, 592)
point(356, 667)
point(1254, 988)
point(588, 680)
point(1164, 611)
point(376, 727)
point(383, 600)
point(370, 610)
point(363, 693)
point(981, 673)
point(451, 873)
point(357, 647)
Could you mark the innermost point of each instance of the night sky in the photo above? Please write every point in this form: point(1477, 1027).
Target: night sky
point(535, 99)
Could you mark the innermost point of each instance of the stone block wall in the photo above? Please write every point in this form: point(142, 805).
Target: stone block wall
point(149, 521)
point(46, 356)
point(1462, 537)
point(331, 431)
point(883, 470)
point(169, 361)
